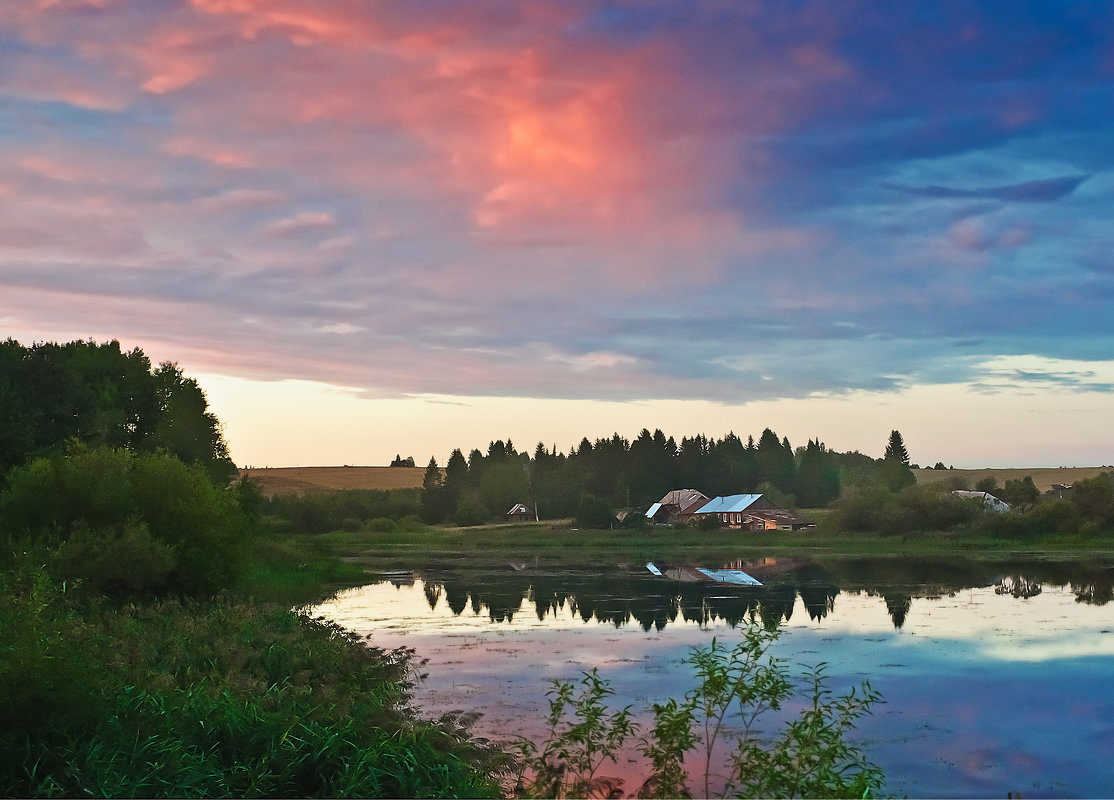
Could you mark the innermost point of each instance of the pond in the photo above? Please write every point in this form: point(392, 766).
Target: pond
point(996, 674)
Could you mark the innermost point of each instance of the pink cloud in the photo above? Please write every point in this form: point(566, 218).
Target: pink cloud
point(302, 222)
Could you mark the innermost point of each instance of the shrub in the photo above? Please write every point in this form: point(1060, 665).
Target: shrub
point(380, 525)
point(735, 689)
point(469, 513)
point(708, 522)
point(116, 560)
point(594, 512)
point(987, 484)
point(151, 507)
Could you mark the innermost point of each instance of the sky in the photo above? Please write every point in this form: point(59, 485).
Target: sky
point(379, 228)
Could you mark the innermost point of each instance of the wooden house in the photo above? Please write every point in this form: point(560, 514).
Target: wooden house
point(521, 513)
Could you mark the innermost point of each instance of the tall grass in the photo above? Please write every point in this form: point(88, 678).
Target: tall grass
point(218, 697)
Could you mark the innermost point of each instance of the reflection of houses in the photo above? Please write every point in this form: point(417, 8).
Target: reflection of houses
point(521, 513)
point(677, 507)
point(988, 500)
point(754, 512)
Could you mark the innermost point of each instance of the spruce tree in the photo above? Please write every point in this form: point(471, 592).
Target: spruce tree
point(895, 449)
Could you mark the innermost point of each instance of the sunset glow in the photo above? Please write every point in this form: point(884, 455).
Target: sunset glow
point(373, 228)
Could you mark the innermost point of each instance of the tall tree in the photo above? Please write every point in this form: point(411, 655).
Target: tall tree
point(432, 478)
point(817, 476)
point(99, 394)
point(185, 425)
point(895, 449)
point(435, 498)
point(776, 462)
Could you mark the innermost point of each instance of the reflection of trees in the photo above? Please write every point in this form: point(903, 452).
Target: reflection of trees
point(1018, 586)
point(626, 597)
point(898, 605)
point(1096, 588)
point(622, 599)
point(432, 594)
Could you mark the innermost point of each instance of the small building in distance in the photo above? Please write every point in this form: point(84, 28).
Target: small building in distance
point(677, 507)
point(754, 512)
point(751, 512)
point(990, 501)
point(521, 513)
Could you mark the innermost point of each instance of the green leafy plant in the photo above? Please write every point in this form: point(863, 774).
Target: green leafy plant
point(737, 688)
point(743, 679)
point(812, 757)
point(583, 734)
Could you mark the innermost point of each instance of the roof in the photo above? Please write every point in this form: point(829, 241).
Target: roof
point(519, 508)
point(779, 515)
point(682, 498)
point(655, 508)
point(989, 500)
point(730, 504)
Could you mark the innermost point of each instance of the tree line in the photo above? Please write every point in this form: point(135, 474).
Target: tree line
point(594, 479)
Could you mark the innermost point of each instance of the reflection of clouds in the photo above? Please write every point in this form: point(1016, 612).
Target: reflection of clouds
point(976, 684)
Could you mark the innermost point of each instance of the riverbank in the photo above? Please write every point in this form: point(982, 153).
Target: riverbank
point(233, 695)
point(523, 544)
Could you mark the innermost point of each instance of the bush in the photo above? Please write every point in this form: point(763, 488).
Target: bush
point(147, 509)
point(927, 507)
point(469, 513)
point(380, 525)
point(594, 512)
point(708, 522)
point(735, 688)
point(347, 509)
point(120, 560)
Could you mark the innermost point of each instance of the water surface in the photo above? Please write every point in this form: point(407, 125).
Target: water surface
point(996, 674)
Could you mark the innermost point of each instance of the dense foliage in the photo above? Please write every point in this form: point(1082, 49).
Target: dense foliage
point(1086, 509)
point(126, 523)
point(186, 698)
point(344, 510)
point(616, 473)
point(98, 394)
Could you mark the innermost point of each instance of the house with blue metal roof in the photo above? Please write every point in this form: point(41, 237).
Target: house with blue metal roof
point(754, 512)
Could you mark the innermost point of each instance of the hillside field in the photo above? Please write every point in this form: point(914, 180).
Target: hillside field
point(1043, 477)
point(300, 480)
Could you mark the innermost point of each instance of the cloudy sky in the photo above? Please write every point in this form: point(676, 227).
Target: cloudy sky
point(380, 227)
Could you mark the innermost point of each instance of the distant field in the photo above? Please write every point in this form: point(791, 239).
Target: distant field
point(300, 480)
point(1043, 477)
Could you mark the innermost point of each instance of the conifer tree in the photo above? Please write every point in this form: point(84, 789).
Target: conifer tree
point(432, 478)
point(895, 449)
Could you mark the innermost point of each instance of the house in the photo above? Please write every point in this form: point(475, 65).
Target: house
point(677, 506)
point(521, 513)
point(990, 501)
point(752, 512)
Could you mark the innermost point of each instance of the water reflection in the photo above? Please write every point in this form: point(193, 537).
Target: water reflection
point(996, 673)
point(629, 595)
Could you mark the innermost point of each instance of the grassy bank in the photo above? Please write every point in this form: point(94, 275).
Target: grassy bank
point(235, 695)
point(563, 544)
